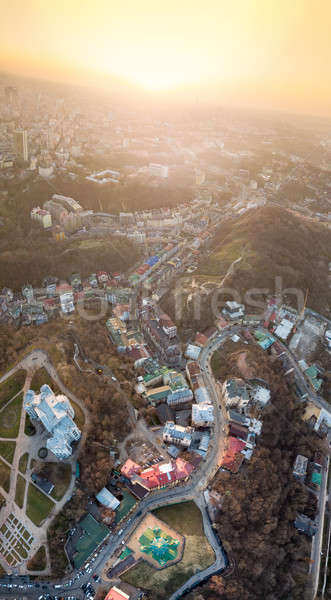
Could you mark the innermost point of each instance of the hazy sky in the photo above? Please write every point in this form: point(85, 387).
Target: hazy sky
point(273, 53)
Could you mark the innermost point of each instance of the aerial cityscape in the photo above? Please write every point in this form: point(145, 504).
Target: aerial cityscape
point(165, 314)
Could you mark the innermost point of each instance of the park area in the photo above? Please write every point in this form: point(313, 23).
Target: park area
point(38, 505)
point(10, 418)
point(11, 387)
point(185, 518)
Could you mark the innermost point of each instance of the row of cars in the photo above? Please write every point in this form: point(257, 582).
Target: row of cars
point(89, 590)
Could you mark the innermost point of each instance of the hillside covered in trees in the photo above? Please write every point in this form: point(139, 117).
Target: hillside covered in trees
point(31, 256)
point(257, 507)
point(274, 242)
point(270, 242)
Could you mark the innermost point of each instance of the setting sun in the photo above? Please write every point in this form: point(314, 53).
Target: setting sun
point(156, 80)
point(266, 54)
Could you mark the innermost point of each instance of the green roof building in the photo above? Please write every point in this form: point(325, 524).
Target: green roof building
point(316, 478)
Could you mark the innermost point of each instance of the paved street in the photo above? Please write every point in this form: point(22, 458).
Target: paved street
point(316, 545)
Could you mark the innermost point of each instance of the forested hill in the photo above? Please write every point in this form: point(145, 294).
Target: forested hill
point(274, 242)
point(270, 242)
point(30, 259)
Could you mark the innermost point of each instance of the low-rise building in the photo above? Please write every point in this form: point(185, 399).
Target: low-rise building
point(284, 329)
point(235, 393)
point(42, 216)
point(233, 458)
point(305, 525)
point(118, 333)
point(261, 396)
point(116, 594)
point(300, 467)
point(235, 417)
point(177, 435)
point(202, 415)
point(233, 310)
point(158, 170)
point(42, 483)
point(130, 468)
point(106, 498)
point(67, 302)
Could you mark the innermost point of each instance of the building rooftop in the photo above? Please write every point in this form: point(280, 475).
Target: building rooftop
point(56, 414)
point(106, 498)
point(202, 413)
point(116, 594)
point(130, 468)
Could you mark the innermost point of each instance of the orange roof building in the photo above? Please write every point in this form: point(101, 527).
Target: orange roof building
point(233, 458)
point(130, 468)
point(116, 594)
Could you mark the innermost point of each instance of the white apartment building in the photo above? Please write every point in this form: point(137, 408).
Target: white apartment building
point(67, 302)
point(202, 415)
point(157, 170)
point(176, 434)
point(43, 217)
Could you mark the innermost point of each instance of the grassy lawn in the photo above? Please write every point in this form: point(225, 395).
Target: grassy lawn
point(2, 501)
point(38, 561)
point(4, 476)
point(60, 475)
point(40, 378)
point(23, 463)
point(38, 505)
point(12, 386)
point(7, 450)
point(198, 554)
point(20, 489)
point(79, 415)
point(10, 418)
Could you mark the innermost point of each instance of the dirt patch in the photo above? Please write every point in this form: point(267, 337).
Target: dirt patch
point(246, 371)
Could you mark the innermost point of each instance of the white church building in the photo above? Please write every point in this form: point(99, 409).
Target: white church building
point(56, 414)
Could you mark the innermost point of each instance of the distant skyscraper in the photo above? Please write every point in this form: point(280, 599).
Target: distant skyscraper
point(10, 94)
point(21, 144)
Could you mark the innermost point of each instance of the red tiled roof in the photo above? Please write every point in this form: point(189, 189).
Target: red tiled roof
point(137, 352)
point(116, 594)
point(201, 339)
point(150, 478)
point(155, 476)
point(130, 468)
point(183, 468)
point(233, 459)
